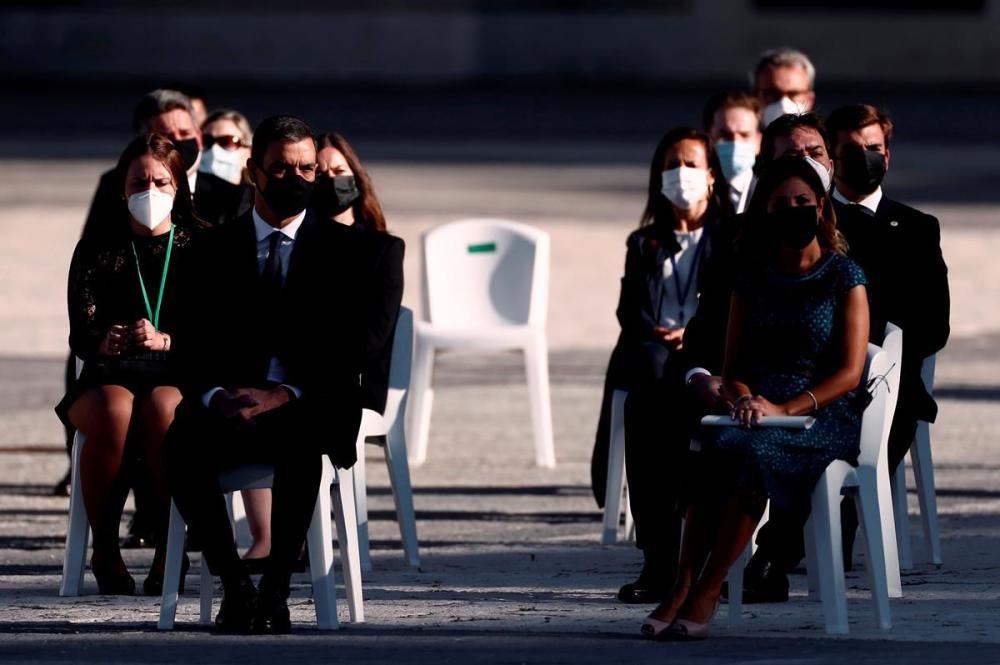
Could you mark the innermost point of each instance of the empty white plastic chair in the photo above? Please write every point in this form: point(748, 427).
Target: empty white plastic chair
point(616, 484)
point(486, 286)
point(319, 541)
point(389, 427)
point(923, 474)
point(824, 552)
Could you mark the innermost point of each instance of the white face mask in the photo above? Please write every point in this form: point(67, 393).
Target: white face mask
point(150, 207)
point(685, 186)
point(225, 164)
point(825, 174)
point(783, 106)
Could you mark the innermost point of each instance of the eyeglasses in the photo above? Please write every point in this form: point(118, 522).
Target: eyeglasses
point(224, 142)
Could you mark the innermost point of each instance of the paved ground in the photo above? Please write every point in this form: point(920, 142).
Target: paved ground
point(512, 571)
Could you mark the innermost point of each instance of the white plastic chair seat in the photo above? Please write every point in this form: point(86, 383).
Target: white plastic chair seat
point(319, 541)
point(506, 337)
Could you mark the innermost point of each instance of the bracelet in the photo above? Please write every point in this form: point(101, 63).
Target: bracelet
point(740, 399)
point(166, 342)
point(813, 398)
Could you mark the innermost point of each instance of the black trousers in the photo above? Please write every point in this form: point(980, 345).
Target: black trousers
point(200, 444)
point(657, 456)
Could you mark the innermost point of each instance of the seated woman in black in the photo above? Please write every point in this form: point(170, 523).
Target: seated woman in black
point(669, 260)
point(344, 194)
point(796, 343)
point(122, 308)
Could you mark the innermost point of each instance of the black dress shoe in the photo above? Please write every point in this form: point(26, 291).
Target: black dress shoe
point(236, 613)
point(271, 616)
point(651, 588)
point(763, 582)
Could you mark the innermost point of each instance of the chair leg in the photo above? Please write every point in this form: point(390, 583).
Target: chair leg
point(77, 529)
point(536, 362)
point(206, 590)
point(238, 518)
point(882, 490)
point(901, 516)
point(422, 399)
point(866, 501)
point(402, 492)
point(923, 471)
point(172, 569)
point(319, 540)
point(735, 581)
point(347, 536)
point(629, 521)
point(829, 554)
point(616, 469)
point(361, 502)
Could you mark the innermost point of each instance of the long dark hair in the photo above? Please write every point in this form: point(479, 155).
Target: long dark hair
point(163, 150)
point(658, 209)
point(753, 241)
point(367, 209)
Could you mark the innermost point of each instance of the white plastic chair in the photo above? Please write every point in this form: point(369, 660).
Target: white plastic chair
point(319, 541)
point(486, 286)
point(923, 474)
point(824, 552)
point(77, 529)
point(616, 485)
point(391, 425)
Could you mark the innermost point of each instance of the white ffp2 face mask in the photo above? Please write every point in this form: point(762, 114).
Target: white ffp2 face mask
point(783, 106)
point(685, 186)
point(150, 207)
point(825, 174)
point(225, 164)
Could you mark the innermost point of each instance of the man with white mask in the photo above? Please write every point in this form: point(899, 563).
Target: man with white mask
point(733, 120)
point(784, 81)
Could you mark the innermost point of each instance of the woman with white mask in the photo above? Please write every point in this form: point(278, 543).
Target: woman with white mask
point(668, 259)
point(223, 191)
point(122, 309)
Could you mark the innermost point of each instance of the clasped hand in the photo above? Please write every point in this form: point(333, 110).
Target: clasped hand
point(673, 338)
point(245, 404)
point(748, 410)
point(140, 335)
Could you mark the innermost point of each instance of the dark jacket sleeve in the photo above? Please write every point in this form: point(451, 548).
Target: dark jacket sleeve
point(634, 316)
point(85, 293)
point(928, 331)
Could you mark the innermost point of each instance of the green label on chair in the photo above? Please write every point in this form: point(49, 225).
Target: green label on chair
point(483, 248)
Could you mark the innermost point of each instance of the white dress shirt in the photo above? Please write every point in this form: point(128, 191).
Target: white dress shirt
point(263, 230)
point(673, 313)
point(871, 201)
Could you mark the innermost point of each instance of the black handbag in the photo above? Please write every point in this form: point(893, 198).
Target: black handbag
point(143, 367)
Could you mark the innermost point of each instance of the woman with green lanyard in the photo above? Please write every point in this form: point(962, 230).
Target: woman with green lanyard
point(668, 260)
point(121, 310)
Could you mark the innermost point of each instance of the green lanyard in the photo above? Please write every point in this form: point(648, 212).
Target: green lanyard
point(155, 318)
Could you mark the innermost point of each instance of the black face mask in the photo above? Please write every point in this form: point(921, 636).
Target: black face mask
point(189, 151)
point(793, 227)
point(333, 196)
point(861, 170)
point(288, 196)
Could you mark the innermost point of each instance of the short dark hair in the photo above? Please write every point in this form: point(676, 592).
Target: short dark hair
point(728, 100)
point(854, 117)
point(284, 128)
point(783, 128)
point(157, 103)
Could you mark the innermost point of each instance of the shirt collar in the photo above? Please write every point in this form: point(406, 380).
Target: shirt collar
point(264, 230)
point(871, 201)
point(193, 181)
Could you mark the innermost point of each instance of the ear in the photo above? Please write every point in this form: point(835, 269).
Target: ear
point(888, 156)
point(252, 172)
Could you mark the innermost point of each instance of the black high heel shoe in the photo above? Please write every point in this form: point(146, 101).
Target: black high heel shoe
point(112, 582)
point(153, 584)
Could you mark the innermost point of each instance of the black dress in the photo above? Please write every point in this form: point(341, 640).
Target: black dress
point(104, 290)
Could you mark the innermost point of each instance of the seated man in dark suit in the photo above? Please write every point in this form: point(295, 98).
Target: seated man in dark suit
point(275, 338)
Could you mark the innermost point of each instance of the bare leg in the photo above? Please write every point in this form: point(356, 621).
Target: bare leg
point(257, 503)
point(103, 414)
point(739, 520)
point(157, 413)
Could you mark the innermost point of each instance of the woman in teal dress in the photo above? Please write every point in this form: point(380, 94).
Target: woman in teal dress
point(796, 344)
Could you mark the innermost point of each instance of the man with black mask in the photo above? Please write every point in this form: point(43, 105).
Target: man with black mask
point(275, 340)
point(899, 249)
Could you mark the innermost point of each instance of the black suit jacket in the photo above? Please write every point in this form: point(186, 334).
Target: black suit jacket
point(384, 280)
point(899, 249)
point(215, 202)
point(320, 335)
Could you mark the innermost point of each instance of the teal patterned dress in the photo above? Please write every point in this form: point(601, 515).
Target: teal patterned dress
point(793, 341)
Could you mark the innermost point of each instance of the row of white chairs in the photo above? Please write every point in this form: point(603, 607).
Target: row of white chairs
point(881, 502)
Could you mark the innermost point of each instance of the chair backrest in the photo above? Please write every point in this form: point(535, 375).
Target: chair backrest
point(875, 420)
point(892, 344)
point(484, 273)
point(399, 365)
